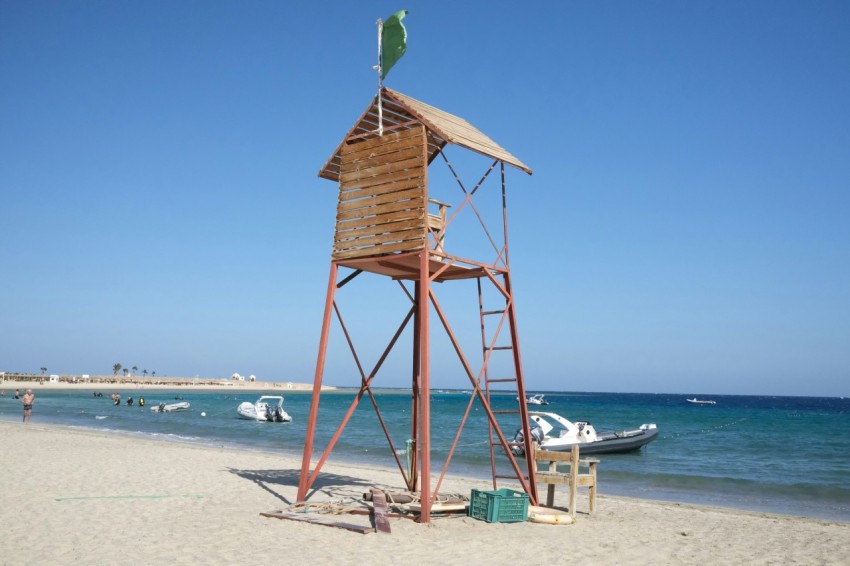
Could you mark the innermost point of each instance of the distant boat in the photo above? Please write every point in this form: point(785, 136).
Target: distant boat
point(170, 407)
point(696, 401)
point(537, 400)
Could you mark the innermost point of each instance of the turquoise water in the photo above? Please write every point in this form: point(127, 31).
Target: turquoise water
point(786, 455)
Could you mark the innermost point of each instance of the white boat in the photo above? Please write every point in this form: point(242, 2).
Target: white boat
point(264, 410)
point(170, 407)
point(696, 401)
point(554, 432)
point(537, 400)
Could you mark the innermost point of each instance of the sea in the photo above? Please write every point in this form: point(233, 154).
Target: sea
point(787, 455)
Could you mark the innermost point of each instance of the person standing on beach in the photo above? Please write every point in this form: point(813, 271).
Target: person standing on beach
point(28, 401)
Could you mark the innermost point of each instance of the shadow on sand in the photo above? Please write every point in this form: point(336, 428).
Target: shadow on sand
point(325, 483)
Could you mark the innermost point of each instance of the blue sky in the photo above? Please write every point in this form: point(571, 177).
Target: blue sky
point(686, 229)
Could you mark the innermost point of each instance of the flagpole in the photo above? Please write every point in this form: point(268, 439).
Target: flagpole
point(380, 80)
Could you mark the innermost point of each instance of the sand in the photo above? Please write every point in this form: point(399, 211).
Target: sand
point(87, 497)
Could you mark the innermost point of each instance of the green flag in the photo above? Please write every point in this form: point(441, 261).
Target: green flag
point(393, 41)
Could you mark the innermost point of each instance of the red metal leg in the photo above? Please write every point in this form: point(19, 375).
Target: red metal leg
point(425, 384)
point(305, 481)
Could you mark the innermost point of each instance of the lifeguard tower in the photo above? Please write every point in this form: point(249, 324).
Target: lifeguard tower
point(387, 225)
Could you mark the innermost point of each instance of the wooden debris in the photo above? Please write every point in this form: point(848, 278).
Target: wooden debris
point(409, 502)
point(391, 497)
point(318, 520)
point(382, 522)
point(448, 507)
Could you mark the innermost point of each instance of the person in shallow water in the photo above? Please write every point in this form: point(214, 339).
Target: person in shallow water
point(28, 401)
point(141, 401)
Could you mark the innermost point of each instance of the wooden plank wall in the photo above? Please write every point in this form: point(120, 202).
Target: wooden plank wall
point(382, 196)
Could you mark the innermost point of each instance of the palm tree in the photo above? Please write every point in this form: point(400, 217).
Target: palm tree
point(153, 374)
point(115, 369)
point(135, 369)
point(43, 370)
point(125, 372)
point(145, 372)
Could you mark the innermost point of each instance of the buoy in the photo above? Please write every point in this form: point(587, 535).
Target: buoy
point(203, 414)
point(549, 516)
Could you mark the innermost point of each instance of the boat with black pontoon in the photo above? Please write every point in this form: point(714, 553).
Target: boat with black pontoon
point(554, 432)
point(264, 409)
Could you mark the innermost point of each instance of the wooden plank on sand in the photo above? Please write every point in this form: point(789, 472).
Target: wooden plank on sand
point(318, 520)
point(382, 522)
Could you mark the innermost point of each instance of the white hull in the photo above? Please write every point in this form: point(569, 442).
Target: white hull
point(264, 411)
point(554, 432)
point(170, 407)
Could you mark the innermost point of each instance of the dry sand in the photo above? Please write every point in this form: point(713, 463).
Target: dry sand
point(72, 496)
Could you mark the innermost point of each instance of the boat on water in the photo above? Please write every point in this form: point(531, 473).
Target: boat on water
point(554, 432)
point(170, 407)
point(539, 399)
point(696, 401)
point(268, 408)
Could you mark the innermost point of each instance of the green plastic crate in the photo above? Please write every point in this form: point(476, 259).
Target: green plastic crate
point(499, 506)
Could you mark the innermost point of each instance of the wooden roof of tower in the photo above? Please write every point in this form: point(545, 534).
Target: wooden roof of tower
point(401, 111)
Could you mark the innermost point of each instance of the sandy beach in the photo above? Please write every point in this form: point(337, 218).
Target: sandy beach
point(76, 496)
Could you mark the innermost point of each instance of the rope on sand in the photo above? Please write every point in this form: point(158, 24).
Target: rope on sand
point(321, 508)
point(188, 496)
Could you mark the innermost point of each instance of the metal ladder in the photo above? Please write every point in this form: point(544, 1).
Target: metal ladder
point(488, 348)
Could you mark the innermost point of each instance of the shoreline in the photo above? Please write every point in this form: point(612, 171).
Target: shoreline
point(674, 485)
point(123, 499)
point(226, 385)
point(358, 462)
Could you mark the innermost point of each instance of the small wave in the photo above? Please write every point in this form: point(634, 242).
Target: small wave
point(172, 436)
point(101, 417)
